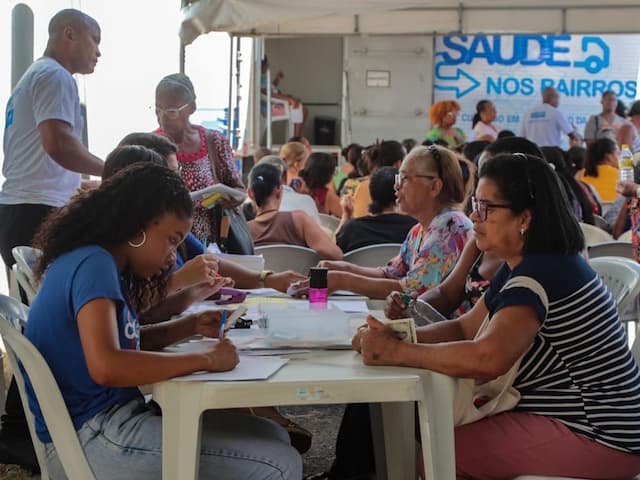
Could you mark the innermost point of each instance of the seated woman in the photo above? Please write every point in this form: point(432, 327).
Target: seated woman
point(190, 282)
point(579, 385)
point(430, 188)
point(295, 155)
point(383, 224)
point(601, 168)
point(273, 227)
point(482, 123)
point(317, 175)
point(576, 157)
point(103, 255)
point(387, 153)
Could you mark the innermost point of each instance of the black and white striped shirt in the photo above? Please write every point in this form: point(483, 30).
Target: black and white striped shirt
point(579, 369)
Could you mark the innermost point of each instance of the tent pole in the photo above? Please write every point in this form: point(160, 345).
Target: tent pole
point(230, 99)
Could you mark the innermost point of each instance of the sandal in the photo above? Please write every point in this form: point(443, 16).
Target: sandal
point(300, 437)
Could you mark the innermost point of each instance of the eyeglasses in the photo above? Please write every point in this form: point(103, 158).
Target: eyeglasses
point(481, 207)
point(171, 113)
point(403, 177)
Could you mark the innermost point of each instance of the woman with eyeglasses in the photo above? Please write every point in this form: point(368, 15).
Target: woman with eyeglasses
point(577, 382)
point(205, 156)
point(429, 187)
point(443, 116)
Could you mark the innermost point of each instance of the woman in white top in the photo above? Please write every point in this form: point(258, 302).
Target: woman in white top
point(483, 126)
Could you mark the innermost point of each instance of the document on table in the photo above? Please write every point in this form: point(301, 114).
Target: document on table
point(249, 368)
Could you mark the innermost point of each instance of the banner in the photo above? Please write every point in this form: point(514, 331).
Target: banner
point(512, 71)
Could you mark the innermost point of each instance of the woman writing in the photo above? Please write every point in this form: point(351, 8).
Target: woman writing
point(579, 385)
point(272, 226)
point(86, 327)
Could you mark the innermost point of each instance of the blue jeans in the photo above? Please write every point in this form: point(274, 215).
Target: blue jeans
point(125, 442)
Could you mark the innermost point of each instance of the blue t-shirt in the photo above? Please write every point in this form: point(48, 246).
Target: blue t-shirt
point(72, 281)
point(193, 248)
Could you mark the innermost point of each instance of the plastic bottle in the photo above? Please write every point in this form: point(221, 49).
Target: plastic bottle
point(625, 165)
point(318, 288)
point(421, 311)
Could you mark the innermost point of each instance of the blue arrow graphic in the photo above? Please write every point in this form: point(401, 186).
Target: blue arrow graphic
point(464, 79)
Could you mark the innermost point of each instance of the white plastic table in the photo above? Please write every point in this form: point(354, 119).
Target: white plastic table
point(322, 377)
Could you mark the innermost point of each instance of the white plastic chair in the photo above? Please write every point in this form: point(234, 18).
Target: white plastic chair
point(329, 222)
point(611, 249)
point(594, 234)
point(621, 276)
point(13, 317)
point(601, 223)
point(625, 237)
point(373, 255)
point(26, 260)
point(288, 257)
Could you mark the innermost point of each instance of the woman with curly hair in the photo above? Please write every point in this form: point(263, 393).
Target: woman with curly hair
point(443, 116)
point(104, 256)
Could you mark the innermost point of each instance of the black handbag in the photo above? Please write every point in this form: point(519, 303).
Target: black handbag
point(232, 231)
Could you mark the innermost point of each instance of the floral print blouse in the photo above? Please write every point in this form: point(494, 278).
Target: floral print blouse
point(197, 173)
point(428, 256)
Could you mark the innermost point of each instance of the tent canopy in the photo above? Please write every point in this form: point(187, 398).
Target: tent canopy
point(400, 17)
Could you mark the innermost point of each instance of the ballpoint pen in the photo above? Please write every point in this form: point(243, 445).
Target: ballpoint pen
point(223, 320)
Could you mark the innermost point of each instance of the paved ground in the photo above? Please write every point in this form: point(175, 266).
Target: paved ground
point(323, 421)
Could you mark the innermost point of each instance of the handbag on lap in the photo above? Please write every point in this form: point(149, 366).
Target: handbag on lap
point(474, 401)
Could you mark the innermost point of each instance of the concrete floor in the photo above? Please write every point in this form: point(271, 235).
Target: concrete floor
point(323, 421)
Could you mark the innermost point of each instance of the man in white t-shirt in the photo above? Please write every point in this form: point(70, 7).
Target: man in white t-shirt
point(545, 124)
point(43, 153)
point(43, 160)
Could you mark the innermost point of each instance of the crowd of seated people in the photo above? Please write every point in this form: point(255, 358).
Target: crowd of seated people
point(487, 230)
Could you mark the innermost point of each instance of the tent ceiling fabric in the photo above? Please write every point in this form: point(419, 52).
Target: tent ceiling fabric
point(347, 17)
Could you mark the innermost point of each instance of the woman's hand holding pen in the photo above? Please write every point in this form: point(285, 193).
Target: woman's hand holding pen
point(222, 357)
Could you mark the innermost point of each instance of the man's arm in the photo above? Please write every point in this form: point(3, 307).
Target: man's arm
point(66, 150)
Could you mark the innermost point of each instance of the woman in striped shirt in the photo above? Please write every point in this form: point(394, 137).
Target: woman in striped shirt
point(579, 411)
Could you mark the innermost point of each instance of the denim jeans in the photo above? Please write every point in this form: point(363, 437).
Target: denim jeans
point(125, 442)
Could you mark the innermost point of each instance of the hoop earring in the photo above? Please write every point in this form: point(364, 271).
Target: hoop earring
point(138, 245)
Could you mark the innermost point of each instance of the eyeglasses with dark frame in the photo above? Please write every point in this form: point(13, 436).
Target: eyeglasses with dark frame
point(171, 113)
point(402, 177)
point(481, 207)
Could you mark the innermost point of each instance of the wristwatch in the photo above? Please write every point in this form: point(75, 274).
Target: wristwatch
point(263, 276)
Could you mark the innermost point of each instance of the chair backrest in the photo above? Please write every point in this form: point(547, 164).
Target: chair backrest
point(288, 257)
point(329, 222)
point(622, 277)
point(373, 255)
point(594, 234)
point(625, 237)
point(26, 260)
point(601, 223)
point(13, 316)
point(611, 249)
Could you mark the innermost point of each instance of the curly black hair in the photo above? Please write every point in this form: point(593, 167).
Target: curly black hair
point(114, 213)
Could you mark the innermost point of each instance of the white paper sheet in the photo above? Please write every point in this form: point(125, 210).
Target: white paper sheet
point(351, 306)
point(249, 368)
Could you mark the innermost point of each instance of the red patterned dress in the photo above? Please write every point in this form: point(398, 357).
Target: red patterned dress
point(198, 172)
